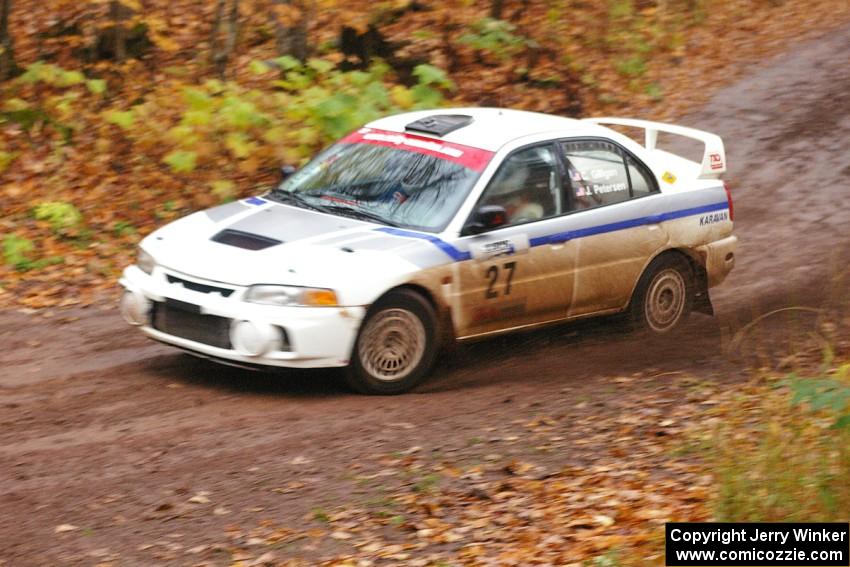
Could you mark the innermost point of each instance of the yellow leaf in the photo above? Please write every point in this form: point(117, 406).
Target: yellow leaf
point(165, 43)
point(134, 5)
point(402, 96)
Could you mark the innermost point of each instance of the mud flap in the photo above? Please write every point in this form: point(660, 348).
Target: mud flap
point(702, 301)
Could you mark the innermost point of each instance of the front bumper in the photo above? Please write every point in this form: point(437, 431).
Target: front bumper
point(310, 337)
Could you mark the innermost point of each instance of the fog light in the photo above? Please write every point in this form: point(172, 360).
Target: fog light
point(135, 307)
point(253, 339)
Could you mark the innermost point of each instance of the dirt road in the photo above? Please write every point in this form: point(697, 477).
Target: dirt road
point(149, 453)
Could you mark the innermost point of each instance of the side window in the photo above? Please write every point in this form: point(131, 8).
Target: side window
point(641, 182)
point(597, 174)
point(526, 186)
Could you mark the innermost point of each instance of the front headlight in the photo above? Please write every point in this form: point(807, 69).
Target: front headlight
point(145, 261)
point(291, 295)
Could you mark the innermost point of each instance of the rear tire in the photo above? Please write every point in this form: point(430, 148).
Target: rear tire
point(664, 296)
point(396, 346)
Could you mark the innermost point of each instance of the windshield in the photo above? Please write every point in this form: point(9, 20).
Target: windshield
point(391, 178)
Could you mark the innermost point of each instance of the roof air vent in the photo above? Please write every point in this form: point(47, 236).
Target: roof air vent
point(439, 124)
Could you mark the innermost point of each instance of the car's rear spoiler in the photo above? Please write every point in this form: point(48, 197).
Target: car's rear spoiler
point(713, 157)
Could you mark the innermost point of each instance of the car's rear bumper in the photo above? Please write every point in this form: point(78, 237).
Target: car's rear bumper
point(719, 259)
point(307, 337)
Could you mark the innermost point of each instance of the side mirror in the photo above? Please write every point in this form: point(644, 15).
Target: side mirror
point(286, 171)
point(486, 217)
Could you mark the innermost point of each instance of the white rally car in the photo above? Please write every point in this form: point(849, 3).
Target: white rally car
point(429, 227)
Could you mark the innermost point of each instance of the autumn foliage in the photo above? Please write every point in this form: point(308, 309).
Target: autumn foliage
point(117, 116)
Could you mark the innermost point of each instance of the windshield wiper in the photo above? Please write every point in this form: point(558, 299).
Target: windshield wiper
point(358, 214)
point(342, 210)
point(293, 199)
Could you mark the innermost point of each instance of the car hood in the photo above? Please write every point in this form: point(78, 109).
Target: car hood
point(298, 247)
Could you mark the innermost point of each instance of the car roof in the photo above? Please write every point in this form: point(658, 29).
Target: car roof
point(492, 128)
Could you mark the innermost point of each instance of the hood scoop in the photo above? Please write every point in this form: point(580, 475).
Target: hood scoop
point(244, 240)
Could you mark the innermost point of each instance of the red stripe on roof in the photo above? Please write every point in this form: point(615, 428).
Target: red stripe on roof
point(475, 159)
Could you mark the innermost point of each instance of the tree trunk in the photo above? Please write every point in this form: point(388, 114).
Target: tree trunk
point(8, 67)
point(448, 27)
point(496, 7)
point(119, 13)
point(225, 32)
point(291, 36)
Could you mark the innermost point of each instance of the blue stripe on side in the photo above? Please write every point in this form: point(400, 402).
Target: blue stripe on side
point(559, 237)
point(454, 253)
point(622, 225)
point(255, 201)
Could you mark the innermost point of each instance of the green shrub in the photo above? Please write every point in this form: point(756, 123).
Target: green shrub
point(6, 159)
point(609, 559)
point(53, 75)
point(61, 216)
point(654, 91)
point(825, 393)
point(620, 9)
point(495, 37)
point(125, 119)
point(27, 118)
point(224, 189)
point(16, 251)
point(181, 161)
point(634, 66)
point(56, 107)
point(787, 462)
point(123, 228)
point(304, 107)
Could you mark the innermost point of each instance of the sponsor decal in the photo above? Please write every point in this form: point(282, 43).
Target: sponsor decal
point(254, 201)
point(499, 248)
point(669, 177)
point(473, 158)
point(715, 161)
point(508, 246)
point(713, 218)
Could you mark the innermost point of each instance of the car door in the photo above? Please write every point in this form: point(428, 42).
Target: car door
point(508, 280)
point(613, 200)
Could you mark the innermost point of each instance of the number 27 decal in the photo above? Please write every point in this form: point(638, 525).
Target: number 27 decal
point(493, 275)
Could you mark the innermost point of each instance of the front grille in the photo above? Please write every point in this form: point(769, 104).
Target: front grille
point(199, 287)
point(183, 320)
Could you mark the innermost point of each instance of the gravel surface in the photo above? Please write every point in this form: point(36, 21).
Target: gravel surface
point(148, 452)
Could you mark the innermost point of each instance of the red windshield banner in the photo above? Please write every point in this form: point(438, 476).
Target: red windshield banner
point(474, 158)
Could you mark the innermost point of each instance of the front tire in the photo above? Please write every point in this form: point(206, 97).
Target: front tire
point(396, 346)
point(664, 295)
